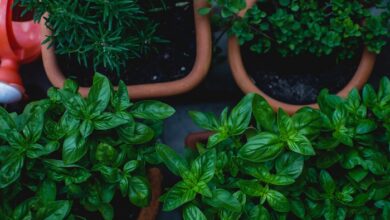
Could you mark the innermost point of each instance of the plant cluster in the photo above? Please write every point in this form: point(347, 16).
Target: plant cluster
point(332, 163)
point(68, 152)
point(293, 27)
point(99, 33)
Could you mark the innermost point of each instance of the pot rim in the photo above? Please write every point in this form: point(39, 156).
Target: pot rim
point(247, 85)
point(150, 90)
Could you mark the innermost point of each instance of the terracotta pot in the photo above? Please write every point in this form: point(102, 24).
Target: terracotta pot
point(247, 85)
point(150, 212)
point(196, 137)
point(153, 90)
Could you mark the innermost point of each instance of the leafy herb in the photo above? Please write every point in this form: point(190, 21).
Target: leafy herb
point(68, 149)
point(331, 163)
point(293, 27)
point(99, 33)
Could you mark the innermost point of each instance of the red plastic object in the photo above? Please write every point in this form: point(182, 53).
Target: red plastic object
point(20, 42)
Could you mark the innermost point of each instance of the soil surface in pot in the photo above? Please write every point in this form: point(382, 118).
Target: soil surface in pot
point(299, 79)
point(171, 61)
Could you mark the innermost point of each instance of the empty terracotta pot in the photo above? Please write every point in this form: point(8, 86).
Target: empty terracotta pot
point(247, 85)
point(153, 90)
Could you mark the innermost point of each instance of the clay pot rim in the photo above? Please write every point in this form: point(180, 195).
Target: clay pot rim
point(247, 85)
point(195, 137)
point(151, 90)
point(150, 213)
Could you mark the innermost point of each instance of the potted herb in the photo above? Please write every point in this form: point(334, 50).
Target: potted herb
point(288, 50)
point(68, 157)
point(331, 163)
point(134, 41)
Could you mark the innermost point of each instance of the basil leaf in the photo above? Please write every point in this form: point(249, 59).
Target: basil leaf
point(107, 211)
point(300, 144)
point(86, 128)
point(100, 93)
point(263, 113)
point(289, 164)
point(153, 110)
point(216, 139)
point(139, 191)
point(223, 199)
point(172, 160)
point(277, 201)
point(177, 196)
point(192, 212)
point(259, 213)
point(328, 159)
point(74, 148)
point(120, 100)
point(327, 182)
point(251, 188)
point(107, 121)
point(298, 208)
point(58, 210)
point(10, 170)
point(205, 120)
point(262, 147)
point(240, 116)
point(203, 167)
point(138, 133)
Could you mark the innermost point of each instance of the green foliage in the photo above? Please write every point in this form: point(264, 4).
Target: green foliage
point(99, 33)
point(68, 149)
point(332, 163)
point(293, 27)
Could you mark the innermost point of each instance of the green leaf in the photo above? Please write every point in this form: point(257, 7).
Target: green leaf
point(263, 113)
point(285, 125)
point(153, 110)
point(369, 96)
point(203, 167)
point(139, 191)
point(216, 139)
point(205, 120)
point(327, 183)
point(177, 196)
point(240, 116)
point(289, 164)
point(74, 149)
point(58, 210)
point(131, 166)
point(100, 93)
point(172, 160)
point(277, 201)
point(329, 210)
point(137, 133)
point(107, 121)
point(6, 122)
point(284, 2)
point(47, 191)
point(10, 170)
point(264, 175)
point(107, 211)
point(192, 212)
point(251, 188)
point(86, 128)
point(328, 159)
point(358, 174)
point(37, 150)
point(259, 213)
point(121, 101)
point(365, 126)
point(298, 208)
point(300, 144)
point(224, 200)
point(262, 147)
point(204, 11)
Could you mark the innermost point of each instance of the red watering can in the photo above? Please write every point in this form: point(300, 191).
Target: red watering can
point(20, 42)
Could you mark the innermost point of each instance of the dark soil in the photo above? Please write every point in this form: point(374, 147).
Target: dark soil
point(299, 79)
point(171, 61)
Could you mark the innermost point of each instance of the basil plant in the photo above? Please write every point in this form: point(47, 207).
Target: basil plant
point(331, 163)
point(68, 153)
